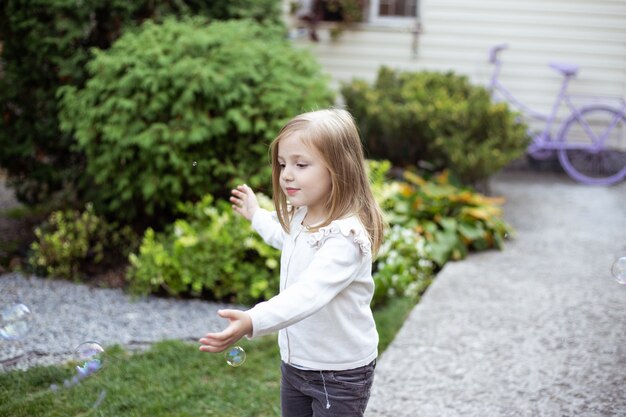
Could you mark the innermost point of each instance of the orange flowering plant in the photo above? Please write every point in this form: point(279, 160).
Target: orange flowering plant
point(452, 219)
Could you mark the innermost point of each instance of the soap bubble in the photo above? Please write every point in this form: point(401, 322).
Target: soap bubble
point(15, 321)
point(235, 356)
point(90, 356)
point(619, 270)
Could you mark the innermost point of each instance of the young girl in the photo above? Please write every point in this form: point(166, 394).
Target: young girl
point(327, 225)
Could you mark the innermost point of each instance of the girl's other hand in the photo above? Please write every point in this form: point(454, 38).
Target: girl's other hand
point(239, 326)
point(244, 201)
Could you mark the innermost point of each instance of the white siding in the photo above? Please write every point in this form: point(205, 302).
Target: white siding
point(457, 35)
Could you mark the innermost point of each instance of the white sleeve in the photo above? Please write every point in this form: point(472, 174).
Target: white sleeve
point(267, 226)
point(332, 269)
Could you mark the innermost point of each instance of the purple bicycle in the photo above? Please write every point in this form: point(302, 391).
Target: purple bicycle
point(591, 140)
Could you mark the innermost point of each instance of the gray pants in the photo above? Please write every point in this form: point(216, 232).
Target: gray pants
point(325, 393)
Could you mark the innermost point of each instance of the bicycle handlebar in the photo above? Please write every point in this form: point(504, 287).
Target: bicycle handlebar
point(493, 52)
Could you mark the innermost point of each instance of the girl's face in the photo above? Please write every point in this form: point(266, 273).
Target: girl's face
point(304, 178)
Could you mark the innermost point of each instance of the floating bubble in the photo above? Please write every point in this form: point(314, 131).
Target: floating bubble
point(619, 270)
point(90, 356)
point(235, 356)
point(15, 321)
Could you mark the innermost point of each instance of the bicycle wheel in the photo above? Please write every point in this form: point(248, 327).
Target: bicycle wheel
point(594, 145)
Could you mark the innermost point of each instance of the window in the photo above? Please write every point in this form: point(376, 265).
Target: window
point(375, 11)
point(341, 13)
point(393, 11)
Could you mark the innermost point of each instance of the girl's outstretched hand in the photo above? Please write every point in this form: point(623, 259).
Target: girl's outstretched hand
point(239, 326)
point(244, 201)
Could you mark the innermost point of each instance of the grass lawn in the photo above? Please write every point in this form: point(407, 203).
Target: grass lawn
point(171, 379)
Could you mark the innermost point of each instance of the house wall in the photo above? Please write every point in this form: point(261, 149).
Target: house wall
point(456, 35)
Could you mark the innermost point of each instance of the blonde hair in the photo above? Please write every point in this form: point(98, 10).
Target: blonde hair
point(333, 134)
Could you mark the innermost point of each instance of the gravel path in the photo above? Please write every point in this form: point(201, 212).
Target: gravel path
point(67, 314)
point(536, 330)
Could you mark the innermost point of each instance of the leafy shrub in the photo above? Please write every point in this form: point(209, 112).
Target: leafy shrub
point(180, 109)
point(439, 118)
point(263, 11)
point(212, 252)
point(384, 187)
point(73, 244)
point(403, 267)
point(46, 44)
point(454, 220)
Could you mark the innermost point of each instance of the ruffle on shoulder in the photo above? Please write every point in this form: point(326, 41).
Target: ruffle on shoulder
point(346, 227)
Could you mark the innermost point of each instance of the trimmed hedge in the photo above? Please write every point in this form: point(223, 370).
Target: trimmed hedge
point(437, 120)
point(46, 44)
point(180, 109)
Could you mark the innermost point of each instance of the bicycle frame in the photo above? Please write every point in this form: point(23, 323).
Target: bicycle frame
point(593, 147)
point(543, 139)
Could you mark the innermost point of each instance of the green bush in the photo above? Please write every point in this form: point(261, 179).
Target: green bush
point(45, 44)
point(184, 108)
point(212, 252)
point(215, 253)
point(73, 244)
point(263, 11)
point(439, 118)
point(453, 219)
point(403, 267)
